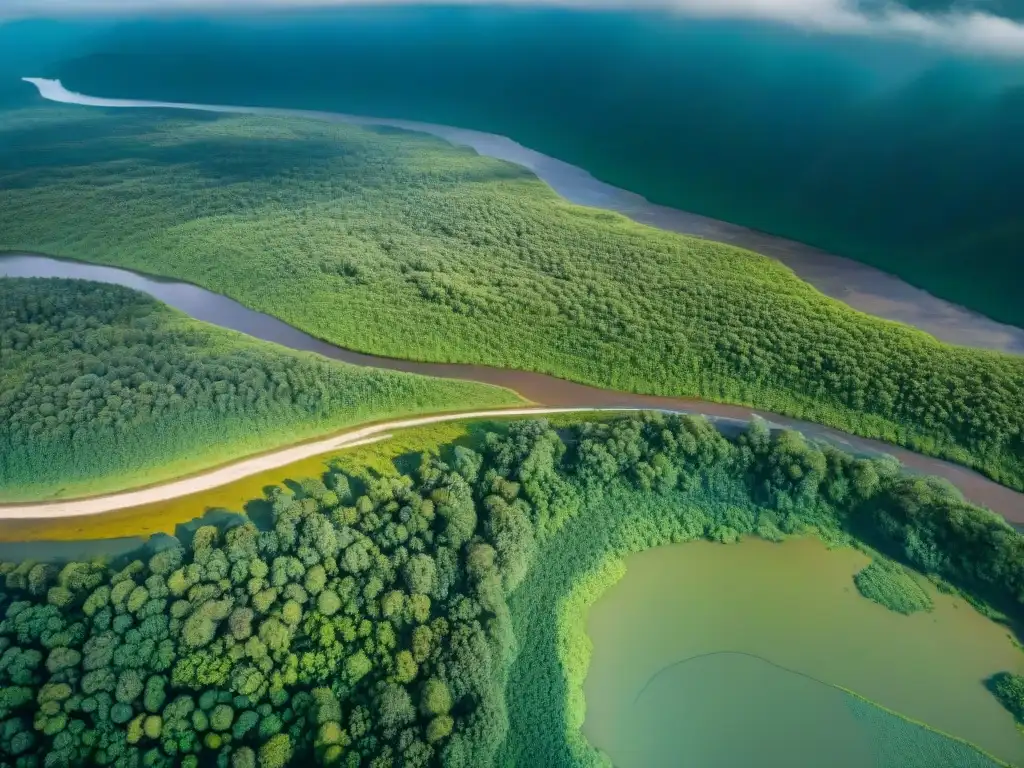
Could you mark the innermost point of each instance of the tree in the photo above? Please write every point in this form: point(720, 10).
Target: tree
point(357, 666)
point(328, 603)
point(243, 757)
point(405, 667)
point(439, 728)
point(129, 686)
point(394, 707)
point(436, 698)
point(222, 717)
point(420, 574)
point(276, 751)
point(61, 659)
point(1009, 689)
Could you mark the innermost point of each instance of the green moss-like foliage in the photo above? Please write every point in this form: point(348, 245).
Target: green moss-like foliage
point(1009, 689)
point(474, 659)
point(401, 245)
point(890, 585)
point(101, 386)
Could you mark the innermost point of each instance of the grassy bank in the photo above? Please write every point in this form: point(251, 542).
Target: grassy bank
point(103, 388)
point(401, 245)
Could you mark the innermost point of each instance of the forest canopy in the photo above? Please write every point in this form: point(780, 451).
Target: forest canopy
point(402, 245)
point(414, 619)
point(102, 387)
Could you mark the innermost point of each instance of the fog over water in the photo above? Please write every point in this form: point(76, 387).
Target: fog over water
point(976, 27)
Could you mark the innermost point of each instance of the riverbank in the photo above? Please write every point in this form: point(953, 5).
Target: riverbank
point(858, 285)
point(555, 394)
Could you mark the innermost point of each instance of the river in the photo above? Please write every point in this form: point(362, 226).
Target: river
point(539, 388)
point(858, 285)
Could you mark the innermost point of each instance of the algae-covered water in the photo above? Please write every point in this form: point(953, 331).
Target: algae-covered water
point(717, 655)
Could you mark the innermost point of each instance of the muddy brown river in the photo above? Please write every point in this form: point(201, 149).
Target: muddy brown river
point(539, 388)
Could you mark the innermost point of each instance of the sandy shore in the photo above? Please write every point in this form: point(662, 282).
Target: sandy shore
point(858, 285)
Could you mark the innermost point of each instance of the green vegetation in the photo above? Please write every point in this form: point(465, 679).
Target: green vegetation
point(401, 245)
point(875, 149)
point(890, 585)
point(633, 485)
point(1009, 689)
point(385, 619)
point(103, 388)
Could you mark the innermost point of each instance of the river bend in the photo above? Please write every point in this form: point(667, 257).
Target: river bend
point(544, 390)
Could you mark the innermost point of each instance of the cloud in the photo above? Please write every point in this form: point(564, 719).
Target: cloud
point(964, 29)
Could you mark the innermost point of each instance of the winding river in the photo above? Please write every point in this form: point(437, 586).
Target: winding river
point(541, 389)
point(860, 286)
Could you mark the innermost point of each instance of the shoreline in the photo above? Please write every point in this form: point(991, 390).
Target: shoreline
point(540, 390)
point(858, 285)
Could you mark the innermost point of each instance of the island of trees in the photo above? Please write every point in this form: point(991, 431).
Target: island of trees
point(384, 619)
point(402, 245)
point(103, 388)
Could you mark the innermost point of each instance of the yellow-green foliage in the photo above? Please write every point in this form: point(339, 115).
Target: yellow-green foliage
point(400, 244)
point(574, 651)
point(890, 585)
point(102, 387)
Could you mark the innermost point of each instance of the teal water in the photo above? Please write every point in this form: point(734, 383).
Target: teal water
point(895, 154)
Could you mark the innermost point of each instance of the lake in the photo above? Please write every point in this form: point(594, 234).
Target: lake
point(715, 655)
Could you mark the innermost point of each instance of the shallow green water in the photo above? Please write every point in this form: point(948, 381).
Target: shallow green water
point(716, 655)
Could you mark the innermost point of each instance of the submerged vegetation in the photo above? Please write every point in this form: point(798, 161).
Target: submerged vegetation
point(431, 617)
point(399, 244)
point(102, 387)
point(890, 585)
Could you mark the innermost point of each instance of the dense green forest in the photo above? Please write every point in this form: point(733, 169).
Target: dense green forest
point(401, 245)
point(379, 619)
point(900, 155)
point(103, 388)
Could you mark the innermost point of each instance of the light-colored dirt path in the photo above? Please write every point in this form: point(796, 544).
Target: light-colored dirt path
point(245, 468)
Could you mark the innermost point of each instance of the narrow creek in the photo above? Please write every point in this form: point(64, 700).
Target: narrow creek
point(539, 388)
